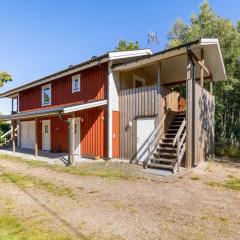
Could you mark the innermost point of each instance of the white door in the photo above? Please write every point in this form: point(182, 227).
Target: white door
point(77, 134)
point(46, 135)
point(28, 134)
point(145, 126)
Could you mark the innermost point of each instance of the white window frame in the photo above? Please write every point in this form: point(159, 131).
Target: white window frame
point(74, 78)
point(50, 97)
point(137, 78)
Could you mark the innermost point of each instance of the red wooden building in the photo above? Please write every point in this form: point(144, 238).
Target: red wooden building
point(154, 109)
point(72, 105)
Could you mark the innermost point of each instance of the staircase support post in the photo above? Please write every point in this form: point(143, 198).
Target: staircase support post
point(178, 155)
point(72, 139)
point(36, 139)
point(189, 86)
point(13, 123)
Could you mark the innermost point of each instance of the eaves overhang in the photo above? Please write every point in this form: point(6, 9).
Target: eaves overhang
point(53, 111)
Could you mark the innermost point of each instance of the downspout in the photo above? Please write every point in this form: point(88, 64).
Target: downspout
point(193, 105)
point(69, 135)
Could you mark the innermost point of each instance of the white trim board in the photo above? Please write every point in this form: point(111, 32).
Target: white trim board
point(53, 111)
point(84, 106)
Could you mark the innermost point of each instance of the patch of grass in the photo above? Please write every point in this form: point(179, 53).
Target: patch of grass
point(195, 178)
point(223, 219)
point(12, 229)
point(214, 184)
point(118, 205)
point(232, 183)
point(214, 218)
point(30, 181)
point(104, 170)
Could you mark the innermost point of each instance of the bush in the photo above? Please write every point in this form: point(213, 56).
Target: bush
point(1, 133)
point(227, 150)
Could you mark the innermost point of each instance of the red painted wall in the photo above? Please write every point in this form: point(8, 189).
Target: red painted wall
point(93, 87)
point(93, 139)
point(115, 131)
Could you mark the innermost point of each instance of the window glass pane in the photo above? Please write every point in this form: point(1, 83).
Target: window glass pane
point(76, 84)
point(46, 95)
point(46, 128)
point(15, 105)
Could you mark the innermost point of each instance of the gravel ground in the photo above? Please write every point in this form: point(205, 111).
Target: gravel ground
point(149, 207)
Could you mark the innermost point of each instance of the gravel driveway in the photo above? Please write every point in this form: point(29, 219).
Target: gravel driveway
point(195, 205)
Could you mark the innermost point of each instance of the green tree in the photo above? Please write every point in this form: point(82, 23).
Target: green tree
point(124, 45)
point(4, 77)
point(207, 24)
point(238, 26)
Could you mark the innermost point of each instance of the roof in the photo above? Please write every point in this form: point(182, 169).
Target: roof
point(53, 110)
point(78, 67)
point(213, 57)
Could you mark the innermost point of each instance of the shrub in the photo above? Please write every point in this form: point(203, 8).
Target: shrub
point(227, 150)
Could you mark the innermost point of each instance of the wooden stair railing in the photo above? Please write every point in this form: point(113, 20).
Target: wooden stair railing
point(156, 136)
point(181, 144)
point(8, 133)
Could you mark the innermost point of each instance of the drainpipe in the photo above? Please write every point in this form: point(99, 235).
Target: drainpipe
point(69, 136)
point(193, 105)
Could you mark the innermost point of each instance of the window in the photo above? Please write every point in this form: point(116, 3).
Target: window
point(75, 128)
point(46, 95)
point(46, 128)
point(76, 83)
point(138, 82)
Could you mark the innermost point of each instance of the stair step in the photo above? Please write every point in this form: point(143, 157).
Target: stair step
point(177, 121)
point(179, 117)
point(168, 139)
point(174, 127)
point(163, 160)
point(165, 166)
point(181, 113)
point(172, 130)
point(168, 148)
point(171, 134)
point(161, 152)
point(176, 124)
point(165, 144)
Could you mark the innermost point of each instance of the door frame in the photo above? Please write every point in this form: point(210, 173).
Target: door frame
point(78, 147)
point(152, 117)
point(26, 135)
point(49, 129)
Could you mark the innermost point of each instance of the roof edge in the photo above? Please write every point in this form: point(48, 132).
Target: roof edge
point(195, 42)
point(81, 66)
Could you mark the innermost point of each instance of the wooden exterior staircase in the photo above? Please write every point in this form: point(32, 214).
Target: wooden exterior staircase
point(6, 139)
point(166, 152)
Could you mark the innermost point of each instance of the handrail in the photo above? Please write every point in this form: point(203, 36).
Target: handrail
point(154, 140)
point(7, 133)
point(179, 132)
point(181, 145)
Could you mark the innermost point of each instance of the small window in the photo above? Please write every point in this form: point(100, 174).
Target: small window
point(138, 82)
point(46, 95)
point(75, 128)
point(76, 83)
point(46, 128)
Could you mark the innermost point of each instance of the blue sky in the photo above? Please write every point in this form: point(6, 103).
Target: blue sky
point(39, 37)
